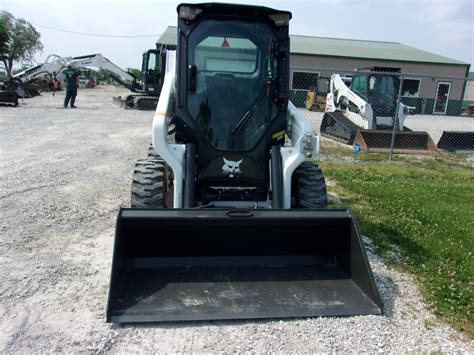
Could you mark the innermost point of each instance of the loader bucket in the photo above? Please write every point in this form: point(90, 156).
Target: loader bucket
point(8, 98)
point(457, 141)
point(183, 264)
point(407, 142)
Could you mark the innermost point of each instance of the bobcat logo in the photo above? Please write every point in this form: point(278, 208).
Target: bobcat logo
point(231, 168)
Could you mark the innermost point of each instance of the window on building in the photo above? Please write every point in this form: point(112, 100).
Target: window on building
point(411, 87)
point(304, 80)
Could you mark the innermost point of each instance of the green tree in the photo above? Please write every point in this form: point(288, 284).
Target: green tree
point(135, 72)
point(101, 77)
point(4, 35)
point(19, 40)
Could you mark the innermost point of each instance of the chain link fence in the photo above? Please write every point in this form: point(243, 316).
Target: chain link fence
point(385, 111)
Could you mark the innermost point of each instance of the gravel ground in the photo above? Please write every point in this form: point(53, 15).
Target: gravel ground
point(64, 174)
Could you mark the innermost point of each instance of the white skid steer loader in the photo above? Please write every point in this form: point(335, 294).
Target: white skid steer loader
point(226, 221)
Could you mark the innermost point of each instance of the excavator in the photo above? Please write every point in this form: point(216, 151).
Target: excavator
point(228, 216)
point(151, 79)
point(316, 98)
point(32, 81)
point(145, 90)
point(366, 114)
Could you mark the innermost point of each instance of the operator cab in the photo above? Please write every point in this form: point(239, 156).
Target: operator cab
point(379, 87)
point(231, 70)
point(151, 73)
point(233, 94)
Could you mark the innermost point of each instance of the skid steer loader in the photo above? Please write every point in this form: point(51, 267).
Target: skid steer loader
point(227, 222)
point(367, 114)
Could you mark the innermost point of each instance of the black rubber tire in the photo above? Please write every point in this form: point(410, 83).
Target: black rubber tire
point(315, 108)
point(149, 183)
point(309, 187)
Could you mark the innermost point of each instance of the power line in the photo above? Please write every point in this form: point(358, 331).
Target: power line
point(92, 34)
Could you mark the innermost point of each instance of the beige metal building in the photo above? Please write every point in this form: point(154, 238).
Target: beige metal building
point(432, 83)
point(469, 92)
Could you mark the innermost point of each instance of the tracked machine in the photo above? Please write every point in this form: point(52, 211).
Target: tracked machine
point(145, 90)
point(226, 220)
point(147, 94)
point(366, 113)
point(32, 81)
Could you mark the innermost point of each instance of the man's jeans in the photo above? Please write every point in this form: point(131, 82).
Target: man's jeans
point(71, 94)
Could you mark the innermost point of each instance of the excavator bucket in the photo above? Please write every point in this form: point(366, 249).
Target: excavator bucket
point(209, 264)
point(407, 142)
point(119, 101)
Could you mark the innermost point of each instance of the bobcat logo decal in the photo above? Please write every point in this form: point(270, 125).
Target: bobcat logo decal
point(231, 168)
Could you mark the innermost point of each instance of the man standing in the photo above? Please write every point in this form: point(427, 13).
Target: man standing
point(71, 76)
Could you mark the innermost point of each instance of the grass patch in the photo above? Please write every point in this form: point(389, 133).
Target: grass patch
point(425, 210)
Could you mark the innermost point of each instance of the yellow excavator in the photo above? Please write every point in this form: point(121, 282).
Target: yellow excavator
point(315, 102)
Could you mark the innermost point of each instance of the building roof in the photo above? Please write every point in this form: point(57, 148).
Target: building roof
point(348, 48)
point(353, 48)
point(169, 37)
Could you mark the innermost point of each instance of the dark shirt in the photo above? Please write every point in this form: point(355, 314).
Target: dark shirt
point(70, 75)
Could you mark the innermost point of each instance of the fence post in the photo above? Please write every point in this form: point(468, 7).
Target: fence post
point(395, 119)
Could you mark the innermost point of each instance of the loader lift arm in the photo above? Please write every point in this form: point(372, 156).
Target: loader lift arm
point(340, 96)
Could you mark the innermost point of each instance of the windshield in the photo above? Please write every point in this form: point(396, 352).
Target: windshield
point(151, 69)
point(383, 85)
point(382, 94)
point(231, 101)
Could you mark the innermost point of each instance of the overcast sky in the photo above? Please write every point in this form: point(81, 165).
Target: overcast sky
point(443, 27)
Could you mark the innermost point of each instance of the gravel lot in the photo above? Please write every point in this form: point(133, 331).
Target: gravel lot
point(64, 174)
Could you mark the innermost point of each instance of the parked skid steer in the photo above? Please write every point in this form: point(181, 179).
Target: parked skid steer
point(226, 221)
point(367, 114)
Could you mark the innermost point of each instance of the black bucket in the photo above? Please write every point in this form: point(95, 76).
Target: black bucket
point(179, 265)
point(8, 98)
point(406, 142)
point(457, 141)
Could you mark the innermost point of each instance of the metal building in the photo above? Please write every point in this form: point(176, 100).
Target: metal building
point(429, 82)
point(468, 104)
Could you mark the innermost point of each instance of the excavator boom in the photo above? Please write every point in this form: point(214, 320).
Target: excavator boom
point(32, 81)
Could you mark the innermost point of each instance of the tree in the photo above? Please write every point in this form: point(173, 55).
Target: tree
point(102, 77)
point(4, 36)
point(19, 40)
point(135, 72)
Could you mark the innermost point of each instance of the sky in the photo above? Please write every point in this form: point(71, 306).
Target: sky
point(444, 27)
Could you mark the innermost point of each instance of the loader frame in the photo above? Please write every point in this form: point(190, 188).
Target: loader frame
point(241, 256)
point(304, 146)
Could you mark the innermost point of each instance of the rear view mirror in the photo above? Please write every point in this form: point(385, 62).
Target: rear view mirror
point(192, 69)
